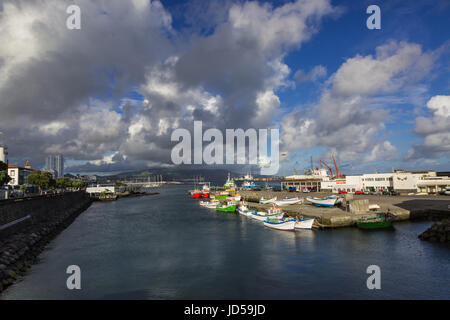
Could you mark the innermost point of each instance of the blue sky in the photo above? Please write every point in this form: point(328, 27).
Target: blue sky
point(133, 80)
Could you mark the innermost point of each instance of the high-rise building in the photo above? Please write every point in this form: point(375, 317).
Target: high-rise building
point(55, 165)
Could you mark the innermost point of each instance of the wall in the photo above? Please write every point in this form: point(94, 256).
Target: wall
point(41, 208)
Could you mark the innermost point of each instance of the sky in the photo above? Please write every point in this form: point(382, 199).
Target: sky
point(109, 96)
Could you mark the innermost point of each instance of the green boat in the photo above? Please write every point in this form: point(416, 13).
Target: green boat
point(379, 221)
point(374, 224)
point(227, 208)
point(221, 196)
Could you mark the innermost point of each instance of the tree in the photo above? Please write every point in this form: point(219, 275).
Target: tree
point(63, 183)
point(43, 179)
point(78, 184)
point(4, 177)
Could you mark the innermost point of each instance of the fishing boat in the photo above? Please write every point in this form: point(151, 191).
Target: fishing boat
point(264, 201)
point(236, 197)
point(229, 207)
point(210, 204)
point(378, 221)
point(323, 202)
point(205, 191)
point(229, 184)
point(244, 210)
point(250, 185)
point(275, 213)
point(304, 223)
point(280, 224)
point(288, 201)
point(221, 196)
point(196, 194)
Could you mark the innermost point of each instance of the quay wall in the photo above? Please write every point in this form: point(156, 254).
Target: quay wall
point(27, 225)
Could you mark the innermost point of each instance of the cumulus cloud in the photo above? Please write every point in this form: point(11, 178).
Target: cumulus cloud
point(315, 74)
point(49, 74)
point(435, 130)
point(348, 117)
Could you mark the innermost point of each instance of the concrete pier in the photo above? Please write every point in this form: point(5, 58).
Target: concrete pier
point(403, 207)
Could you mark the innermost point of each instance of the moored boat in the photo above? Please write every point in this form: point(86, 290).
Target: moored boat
point(288, 201)
point(205, 191)
point(229, 207)
point(323, 202)
point(196, 194)
point(374, 224)
point(236, 197)
point(210, 204)
point(271, 213)
point(378, 221)
point(244, 210)
point(304, 223)
point(280, 224)
point(264, 201)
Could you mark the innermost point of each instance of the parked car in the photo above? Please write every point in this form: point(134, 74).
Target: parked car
point(342, 192)
point(359, 192)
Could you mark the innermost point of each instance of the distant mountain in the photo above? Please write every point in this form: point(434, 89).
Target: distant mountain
point(176, 174)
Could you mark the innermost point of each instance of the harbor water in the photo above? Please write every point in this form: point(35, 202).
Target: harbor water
point(168, 247)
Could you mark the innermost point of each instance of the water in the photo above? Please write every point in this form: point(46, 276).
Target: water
point(168, 247)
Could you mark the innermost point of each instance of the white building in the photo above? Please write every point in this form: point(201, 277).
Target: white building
point(400, 181)
point(310, 181)
point(19, 174)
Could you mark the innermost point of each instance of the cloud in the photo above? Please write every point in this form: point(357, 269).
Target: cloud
point(348, 118)
point(315, 74)
point(394, 64)
point(435, 130)
point(73, 78)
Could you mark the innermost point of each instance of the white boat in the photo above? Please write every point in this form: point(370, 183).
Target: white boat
point(210, 204)
point(244, 210)
point(288, 201)
point(304, 223)
point(264, 201)
point(236, 197)
point(323, 202)
point(374, 207)
point(275, 213)
point(280, 224)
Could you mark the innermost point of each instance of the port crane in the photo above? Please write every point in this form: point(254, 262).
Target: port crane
point(338, 171)
point(331, 172)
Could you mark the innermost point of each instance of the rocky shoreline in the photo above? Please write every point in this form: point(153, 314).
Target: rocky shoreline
point(438, 232)
point(20, 250)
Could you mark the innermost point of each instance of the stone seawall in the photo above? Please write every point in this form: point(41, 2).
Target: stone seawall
point(27, 225)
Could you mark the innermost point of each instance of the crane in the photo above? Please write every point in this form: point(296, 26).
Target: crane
point(338, 173)
point(331, 172)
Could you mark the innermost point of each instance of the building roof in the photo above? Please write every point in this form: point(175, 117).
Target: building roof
point(12, 166)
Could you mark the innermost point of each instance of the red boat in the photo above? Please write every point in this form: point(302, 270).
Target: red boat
point(205, 191)
point(196, 194)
